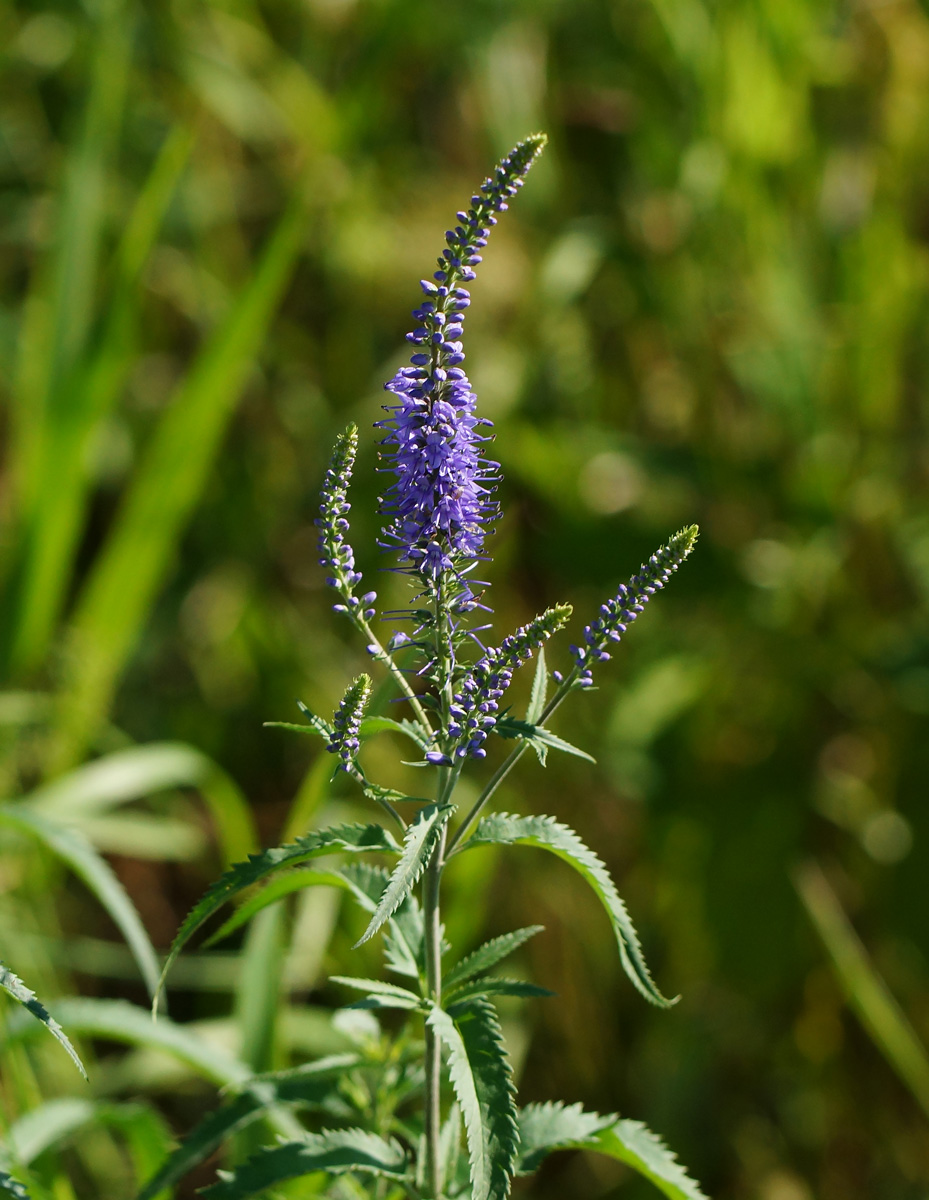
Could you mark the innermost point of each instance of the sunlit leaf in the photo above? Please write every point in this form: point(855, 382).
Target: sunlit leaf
point(15, 987)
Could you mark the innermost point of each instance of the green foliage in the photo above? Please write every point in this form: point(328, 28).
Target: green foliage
point(336, 1151)
point(540, 739)
point(419, 842)
point(549, 834)
point(483, 1082)
point(15, 987)
point(12, 1187)
point(488, 955)
point(554, 1126)
point(351, 838)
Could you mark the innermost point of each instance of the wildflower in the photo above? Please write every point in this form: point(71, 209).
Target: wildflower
point(346, 723)
point(619, 612)
point(441, 500)
point(474, 706)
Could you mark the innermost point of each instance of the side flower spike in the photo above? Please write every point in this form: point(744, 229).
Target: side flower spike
point(346, 723)
point(475, 705)
point(335, 553)
point(617, 614)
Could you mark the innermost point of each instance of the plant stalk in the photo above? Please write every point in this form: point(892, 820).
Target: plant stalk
point(433, 947)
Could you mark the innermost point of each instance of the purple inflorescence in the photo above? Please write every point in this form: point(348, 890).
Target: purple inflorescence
point(619, 612)
point(335, 554)
point(442, 497)
point(474, 706)
point(346, 723)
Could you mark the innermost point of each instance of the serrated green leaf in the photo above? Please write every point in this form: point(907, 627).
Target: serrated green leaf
point(635, 1144)
point(336, 1151)
point(488, 955)
point(74, 849)
point(547, 1127)
point(12, 1187)
point(549, 834)
point(539, 689)
point(495, 987)
point(374, 791)
point(538, 737)
point(350, 838)
point(482, 1080)
point(399, 997)
point(421, 836)
point(312, 1085)
point(555, 1126)
point(15, 987)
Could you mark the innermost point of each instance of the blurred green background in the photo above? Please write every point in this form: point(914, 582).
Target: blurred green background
point(709, 304)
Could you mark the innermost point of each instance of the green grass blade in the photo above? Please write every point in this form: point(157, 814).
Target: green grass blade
point(488, 955)
point(418, 843)
point(48, 1125)
point(867, 993)
point(94, 387)
point(549, 834)
point(120, 1021)
point(15, 987)
point(74, 849)
point(130, 774)
point(176, 464)
point(483, 1084)
point(351, 838)
point(335, 1151)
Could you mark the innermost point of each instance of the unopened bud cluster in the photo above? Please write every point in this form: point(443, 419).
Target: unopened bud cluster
point(474, 707)
point(335, 553)
point(346, 723)
point(617, 614)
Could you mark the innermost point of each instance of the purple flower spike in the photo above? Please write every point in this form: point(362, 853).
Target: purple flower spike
point(441, 500)
point(346, 723)
point(474, 706)
point(618, 613)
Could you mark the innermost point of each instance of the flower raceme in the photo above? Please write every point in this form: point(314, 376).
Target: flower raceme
point(475, 705)
point(442, 497)
point(618, 613)
point(335, 554)
point(346, 722)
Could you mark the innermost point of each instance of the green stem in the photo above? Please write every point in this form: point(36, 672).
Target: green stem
point(433, 947)
point(382, 655)
point(505, 767)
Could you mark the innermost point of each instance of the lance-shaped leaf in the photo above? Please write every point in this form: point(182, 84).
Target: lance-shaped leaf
point(74, 849)
point(336, 1151)
point(312, 1085)
point(483, 1083)
point(539, 690)
point(549, 834)
point(496, 987)
point(419, 842)
point(544, 1128)
point(12, 1188)
point(488, 955)
point(372, 725)
point(351, 838)
point(386, 995)
point(540, 739)
point(27, 998)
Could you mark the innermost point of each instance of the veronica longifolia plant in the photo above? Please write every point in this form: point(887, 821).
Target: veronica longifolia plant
point(398, 1117)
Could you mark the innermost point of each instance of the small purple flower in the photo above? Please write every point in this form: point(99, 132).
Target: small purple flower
point(474, 706)
point(335, 554)
point(346, 723)
point(619, 612)
point(441, 500)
